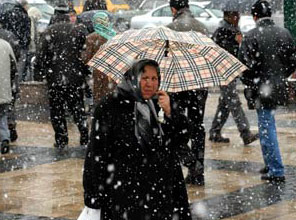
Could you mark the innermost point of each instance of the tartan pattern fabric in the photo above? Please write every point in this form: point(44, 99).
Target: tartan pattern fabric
point(194, 61)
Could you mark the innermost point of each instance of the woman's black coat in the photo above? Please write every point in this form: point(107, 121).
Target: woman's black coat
point(126, 180)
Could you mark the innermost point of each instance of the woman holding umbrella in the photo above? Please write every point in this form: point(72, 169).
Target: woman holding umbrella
point(131, 170)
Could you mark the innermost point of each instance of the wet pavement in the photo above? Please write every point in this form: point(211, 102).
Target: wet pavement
point(39, 182)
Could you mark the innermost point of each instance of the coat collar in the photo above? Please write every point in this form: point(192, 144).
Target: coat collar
point(266, 21)
point(184, 12)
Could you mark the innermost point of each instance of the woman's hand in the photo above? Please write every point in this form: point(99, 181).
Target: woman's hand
point(164, 102)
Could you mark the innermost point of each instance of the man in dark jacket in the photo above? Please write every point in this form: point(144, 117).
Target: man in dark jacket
point(228, 37)
point(59, 61)
point(18, 22)
point(269, 52)
point(193, 101)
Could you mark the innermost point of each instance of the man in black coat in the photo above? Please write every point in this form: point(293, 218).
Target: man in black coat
point(269, 52)
point(228, 37)
point(193, 101)
point(17, 22)
point(58, 60)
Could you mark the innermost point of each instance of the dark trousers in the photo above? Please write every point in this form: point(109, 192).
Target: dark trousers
point(229, 102)
point(62, 99)
point(194, 103)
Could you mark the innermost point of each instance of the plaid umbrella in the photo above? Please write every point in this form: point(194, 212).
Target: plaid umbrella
point(188, 60)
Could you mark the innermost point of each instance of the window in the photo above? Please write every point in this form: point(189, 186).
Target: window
point(163, 12)
point(147, 5)
point(197, 11)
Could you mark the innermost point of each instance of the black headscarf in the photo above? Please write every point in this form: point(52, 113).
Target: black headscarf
point(130, 86)
point(145, 113)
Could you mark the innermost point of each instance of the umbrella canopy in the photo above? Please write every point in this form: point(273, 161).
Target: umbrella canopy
point(232, 5)
point(188, 60)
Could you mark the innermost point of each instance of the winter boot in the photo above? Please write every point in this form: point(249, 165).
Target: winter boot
point(4, 147)
point(195, 175)
point(12, 131)
point(248, 137)
point(218, 138)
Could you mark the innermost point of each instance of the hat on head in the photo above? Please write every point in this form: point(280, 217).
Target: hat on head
point(261, 9)
point(179, 4)
point(103, 26)
point(61, 7)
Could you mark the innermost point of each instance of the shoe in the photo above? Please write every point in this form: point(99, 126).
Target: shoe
point(13, 135)
point(219, 139)
point(84, 140)
point(273, 179)
point(250, 138)
point(198, 180)
point(60, 146)
point(5, 147)
point(264, 170)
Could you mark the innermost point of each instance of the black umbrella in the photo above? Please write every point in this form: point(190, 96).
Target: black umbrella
point(86, 18)
point(232, 5)
point(241, 5)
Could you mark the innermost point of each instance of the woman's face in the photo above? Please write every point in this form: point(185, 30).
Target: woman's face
point(149, 82)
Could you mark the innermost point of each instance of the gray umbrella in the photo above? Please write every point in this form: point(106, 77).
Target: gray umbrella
point(233, 5)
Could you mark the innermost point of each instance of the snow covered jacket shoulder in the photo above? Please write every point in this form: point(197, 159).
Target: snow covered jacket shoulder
point(185, 21)
point(7, 59)
point(269, 52)
point(126, 180)
point(12, 40)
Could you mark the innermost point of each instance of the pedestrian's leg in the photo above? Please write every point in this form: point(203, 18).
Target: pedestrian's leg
point(269, 143)
point(4, 131)
point(220, 117)
point(196, 109)
point(21, 66)
point(76, 106)
point(241, 121)
point(57, 116)
point(11, 120)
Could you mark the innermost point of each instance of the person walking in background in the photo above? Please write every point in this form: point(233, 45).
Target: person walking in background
point(59, 61)
point(131, 169)
point(229, 37)
point(34, 15)
point(269, 52)
point(192, 101)
point(103, 32)
point(7, 78)
point(18, 22)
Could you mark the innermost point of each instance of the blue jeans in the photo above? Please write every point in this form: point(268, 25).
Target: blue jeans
point(269, 143)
